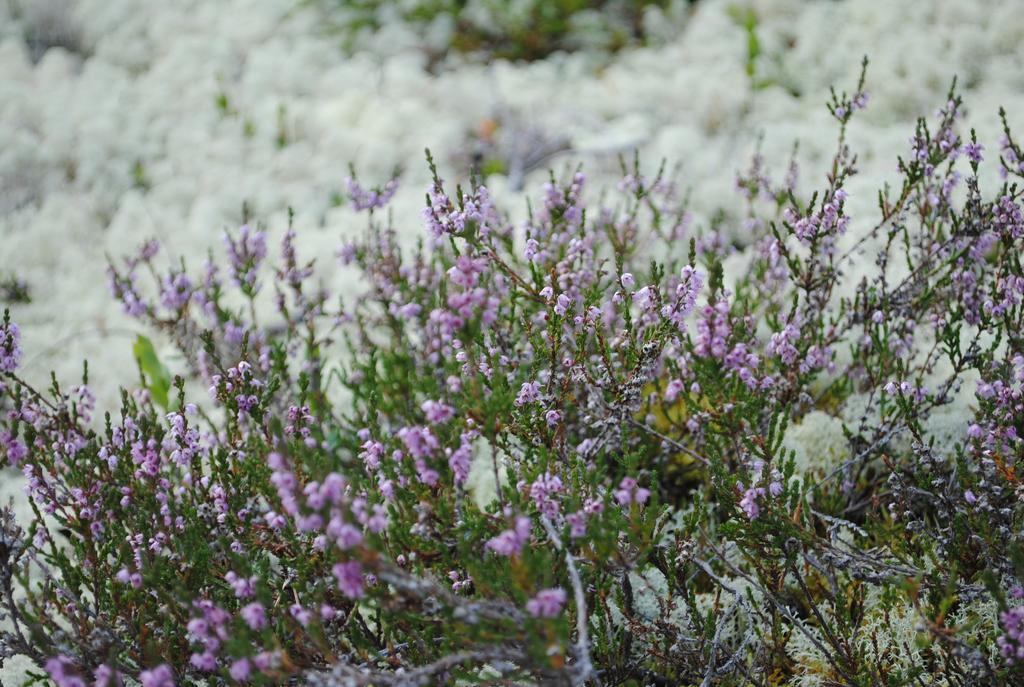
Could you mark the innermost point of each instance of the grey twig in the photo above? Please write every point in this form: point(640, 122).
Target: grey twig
point(584, 669)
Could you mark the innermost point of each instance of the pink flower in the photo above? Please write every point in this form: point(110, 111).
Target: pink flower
point(672, 390)
point(749, 502)
point(577, 524)
point(547, 603)
point(629, 492)
point(510, 542)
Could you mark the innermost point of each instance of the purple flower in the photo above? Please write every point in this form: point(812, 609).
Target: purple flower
point(350, 579)
point(547, 603)
point(542, 490)
point(577, 524)
point(105, 676)
point(370, 199)
point(302, 615)
point(528, 393)
point(749, 503)
point(437, 412)
point(161, 676)
point(629, 492)
point(645, 298)
point(459, 462)
point(246, 254)
point(690, 283)
point(510, 542)
point(783, 344)
point(15, 449)
point(204, 661)
point(240, 670)
point(443, 217)
point(532, 249)
point(60, 670)
point(378, 522)
point(124, 290)
point(346, 535)
point(562, 304)
point(176, 291)
point(10, 350)
point(1011, 643)
point(254, 615)
point(973, 151)
point(419, 441)
point(244, 586)
point(426, 474)
point(672, 390)
point(627, 281)
point(825, 224)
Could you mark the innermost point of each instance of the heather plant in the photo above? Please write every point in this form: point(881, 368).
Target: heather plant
point(558, 451)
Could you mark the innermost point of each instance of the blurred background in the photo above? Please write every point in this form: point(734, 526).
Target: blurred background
point(124, 120)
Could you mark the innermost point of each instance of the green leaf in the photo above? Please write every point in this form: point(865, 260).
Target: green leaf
point(156, 376)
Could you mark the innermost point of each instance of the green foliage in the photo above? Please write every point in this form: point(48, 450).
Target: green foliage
point(156, 377)
point(527, 30)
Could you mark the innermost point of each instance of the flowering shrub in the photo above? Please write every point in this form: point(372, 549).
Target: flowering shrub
point(575, 451)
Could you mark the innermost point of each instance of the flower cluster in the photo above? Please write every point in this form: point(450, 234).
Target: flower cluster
point(370, 199)
point(10, 345)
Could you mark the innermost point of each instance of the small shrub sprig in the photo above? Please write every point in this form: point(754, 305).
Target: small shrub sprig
point(558, 452)
point(528, 30)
